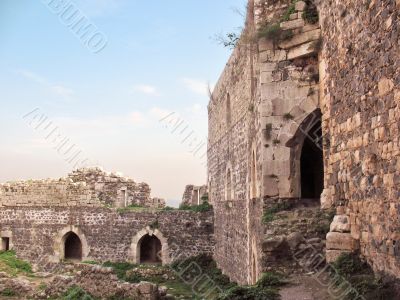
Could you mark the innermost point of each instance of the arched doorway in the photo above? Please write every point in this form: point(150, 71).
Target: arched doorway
point(312, 163)
point(150, 249)
point(72, 247)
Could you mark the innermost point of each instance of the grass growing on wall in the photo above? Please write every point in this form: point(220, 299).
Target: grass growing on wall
point(10, 264)
point(205, 206)
point(269, 213)
point(361, 277)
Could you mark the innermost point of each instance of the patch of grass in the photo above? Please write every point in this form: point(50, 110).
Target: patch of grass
point(205, 206)
point(77, 293)
point(361, 277)
point(208, 267)
point(249, 293)
point(291, 10)
point(350, 264)
point(269, 213)
point(271, 279)
point(90, 262)
point(168, 208)
point(120, 268)
point(8, 292)
point(10, 264)
point(42, 286)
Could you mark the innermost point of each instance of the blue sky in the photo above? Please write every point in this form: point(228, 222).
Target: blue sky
point(158, 60)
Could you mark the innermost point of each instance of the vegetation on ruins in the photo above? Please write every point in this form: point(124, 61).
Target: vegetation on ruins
point(310, 13)
point(267, 288)
point(290, 10)
point(269, 213)
point(76, 293)
point(361, 277)
point(205, 206)
point(120, 269)
point(274, 33)
point(8, 292)
point(10, 264)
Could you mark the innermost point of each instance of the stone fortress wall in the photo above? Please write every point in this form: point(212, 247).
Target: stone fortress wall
point(195, 195)
point(310, 116)
point(83, 187)
point(95, 215)
point(361, 106)
point(38, 234)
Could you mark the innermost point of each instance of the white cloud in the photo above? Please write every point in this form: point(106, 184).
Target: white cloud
point(57, 89)
point(146, 89)
point(197, 86)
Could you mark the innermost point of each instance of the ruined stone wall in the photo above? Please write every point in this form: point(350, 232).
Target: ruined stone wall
point(195, 195)
point(362, 113)
point(232, 139)
point(84, 187)
point(273, 88)
point(36, 234)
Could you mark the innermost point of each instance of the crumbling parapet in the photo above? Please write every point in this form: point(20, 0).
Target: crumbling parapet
point(83, 187)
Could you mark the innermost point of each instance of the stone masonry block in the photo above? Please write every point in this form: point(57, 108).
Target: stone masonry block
point(341, 241)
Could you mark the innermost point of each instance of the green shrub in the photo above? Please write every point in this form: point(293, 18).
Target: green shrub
point(271, 32)
point(7, 292)
point(205, 206)
point(208, 267)
point(168, 208)
point(90, 262)
point(291, 10)
point(120, 268)
point(77, 293)
point(270, 279)
point(269, 213)
point(350, 264)
point(249, 293)
point(12, 265)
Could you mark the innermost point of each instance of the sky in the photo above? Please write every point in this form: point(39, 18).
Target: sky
point(130, 95)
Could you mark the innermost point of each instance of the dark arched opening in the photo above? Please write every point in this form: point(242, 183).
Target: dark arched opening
point(312, 163)
point(72, 247)
point(150, 249)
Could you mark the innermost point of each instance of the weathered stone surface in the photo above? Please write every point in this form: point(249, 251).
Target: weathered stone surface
point(83, 187)
point(341, 241)
point(105, 234)
point(292, 24)
point(340, 224)
point(301, 51)
point(333, 255)
point(301, 39)
point(300, 5)
point(385, 86)
point(294, 239)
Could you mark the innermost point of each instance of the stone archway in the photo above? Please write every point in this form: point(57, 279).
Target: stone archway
point(70, 243)
point(306, 156)
point(72, 247)
point(150, 249)
point(148, 238)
